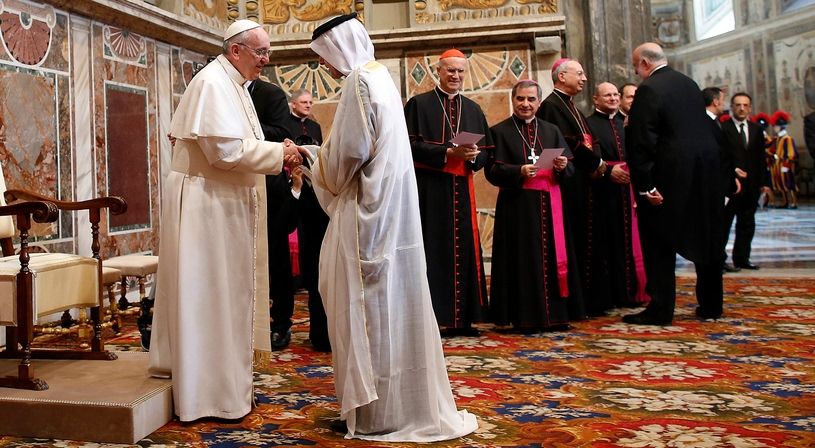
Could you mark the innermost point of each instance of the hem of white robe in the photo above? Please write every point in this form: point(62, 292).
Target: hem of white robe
point(216, 414)
point(468, 425)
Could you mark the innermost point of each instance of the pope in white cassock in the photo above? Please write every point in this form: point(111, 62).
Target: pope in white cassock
point(389, 369)
point(211, 278)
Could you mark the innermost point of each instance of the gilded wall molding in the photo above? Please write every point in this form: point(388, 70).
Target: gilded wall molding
point(459, 10)
point(278, 12)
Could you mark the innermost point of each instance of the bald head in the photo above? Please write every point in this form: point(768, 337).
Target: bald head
point(646, 58)
point(606, 98)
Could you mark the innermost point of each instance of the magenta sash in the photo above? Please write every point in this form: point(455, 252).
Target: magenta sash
point(641, 296)
point(545, 180)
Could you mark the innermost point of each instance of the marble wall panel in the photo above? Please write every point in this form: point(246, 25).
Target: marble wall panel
point(30, 135)
point(128, 155)
point(128, 61)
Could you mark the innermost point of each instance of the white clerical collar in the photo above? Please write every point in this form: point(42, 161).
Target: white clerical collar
point(610, 115)
point(299, 118)
point(710, 114)
point(525, 120)
point(564, 93)
point(230, 69)
point(449, 95)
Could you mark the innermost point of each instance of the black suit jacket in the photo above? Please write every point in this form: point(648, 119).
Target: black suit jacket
point(671, 147)
point(272, 107)
point(809, 133)
point(750, 159)
point(727, 165)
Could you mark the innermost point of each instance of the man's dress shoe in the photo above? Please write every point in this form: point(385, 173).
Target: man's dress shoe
point(728, 268)
point(646, 318)
point(748, 265)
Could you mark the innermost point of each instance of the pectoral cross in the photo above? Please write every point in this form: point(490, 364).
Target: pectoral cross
point(534, 158)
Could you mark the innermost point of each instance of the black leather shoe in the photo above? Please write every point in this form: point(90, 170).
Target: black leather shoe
point(646, 318)
point(281, 340)
point(728, 268)
point(748, 265)
point(338, 426)
point(701, 314)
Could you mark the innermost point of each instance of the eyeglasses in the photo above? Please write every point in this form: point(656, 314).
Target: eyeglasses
point(260, 52)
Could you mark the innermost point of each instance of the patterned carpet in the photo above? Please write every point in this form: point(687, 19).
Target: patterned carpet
point(747, 380)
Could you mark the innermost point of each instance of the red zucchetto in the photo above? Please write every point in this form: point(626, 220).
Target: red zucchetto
point(452, 53)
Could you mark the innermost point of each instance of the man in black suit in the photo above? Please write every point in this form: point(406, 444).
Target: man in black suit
point(745, 142)
point(675, 170)
point(714, 106)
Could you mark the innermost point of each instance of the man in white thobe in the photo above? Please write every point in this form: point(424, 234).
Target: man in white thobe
point(210, 274)
point(389, 369)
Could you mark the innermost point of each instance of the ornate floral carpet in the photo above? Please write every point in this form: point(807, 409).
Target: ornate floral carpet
point(747, 380)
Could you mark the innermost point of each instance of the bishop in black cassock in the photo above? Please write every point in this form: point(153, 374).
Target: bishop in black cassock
point(618, 249)
point(444, 174)
point(587, 294)
point(528, 287)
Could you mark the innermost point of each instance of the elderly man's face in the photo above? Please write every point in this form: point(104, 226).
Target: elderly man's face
point(627, 98)
point(252, 54)
point(526, 102)
point(301, 106)
point(607, 99)
point(572, 79)
point(451, 74)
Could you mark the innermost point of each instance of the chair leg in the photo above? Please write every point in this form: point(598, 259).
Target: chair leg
point(123, 303)
point(96, 321)
point(115, 316)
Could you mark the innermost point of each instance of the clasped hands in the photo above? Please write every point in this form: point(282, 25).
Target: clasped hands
point(465, 152)
point(293, 154)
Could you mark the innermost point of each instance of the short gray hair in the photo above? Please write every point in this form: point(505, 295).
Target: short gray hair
point(560, 69)
point(298, 93)
point(236, 39)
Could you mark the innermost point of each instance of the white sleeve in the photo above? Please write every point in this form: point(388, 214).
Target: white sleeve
point(245, 156)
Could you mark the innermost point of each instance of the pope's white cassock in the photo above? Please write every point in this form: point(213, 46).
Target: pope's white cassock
point(212, 217)
point(389, 369)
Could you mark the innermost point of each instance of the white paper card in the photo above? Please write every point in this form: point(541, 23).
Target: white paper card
point(466, 138)
point(547, 157)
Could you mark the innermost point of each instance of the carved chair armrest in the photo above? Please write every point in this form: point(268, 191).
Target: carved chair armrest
point(115, 204)
point(40, 211)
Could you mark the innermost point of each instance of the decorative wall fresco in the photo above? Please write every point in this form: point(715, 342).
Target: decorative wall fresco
point(726, 71)
point(300, 16)
point(122, 45)
point(457, 10)
point(795, 74)
point(669, 25)
point(210, 12)
point(309, 75)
